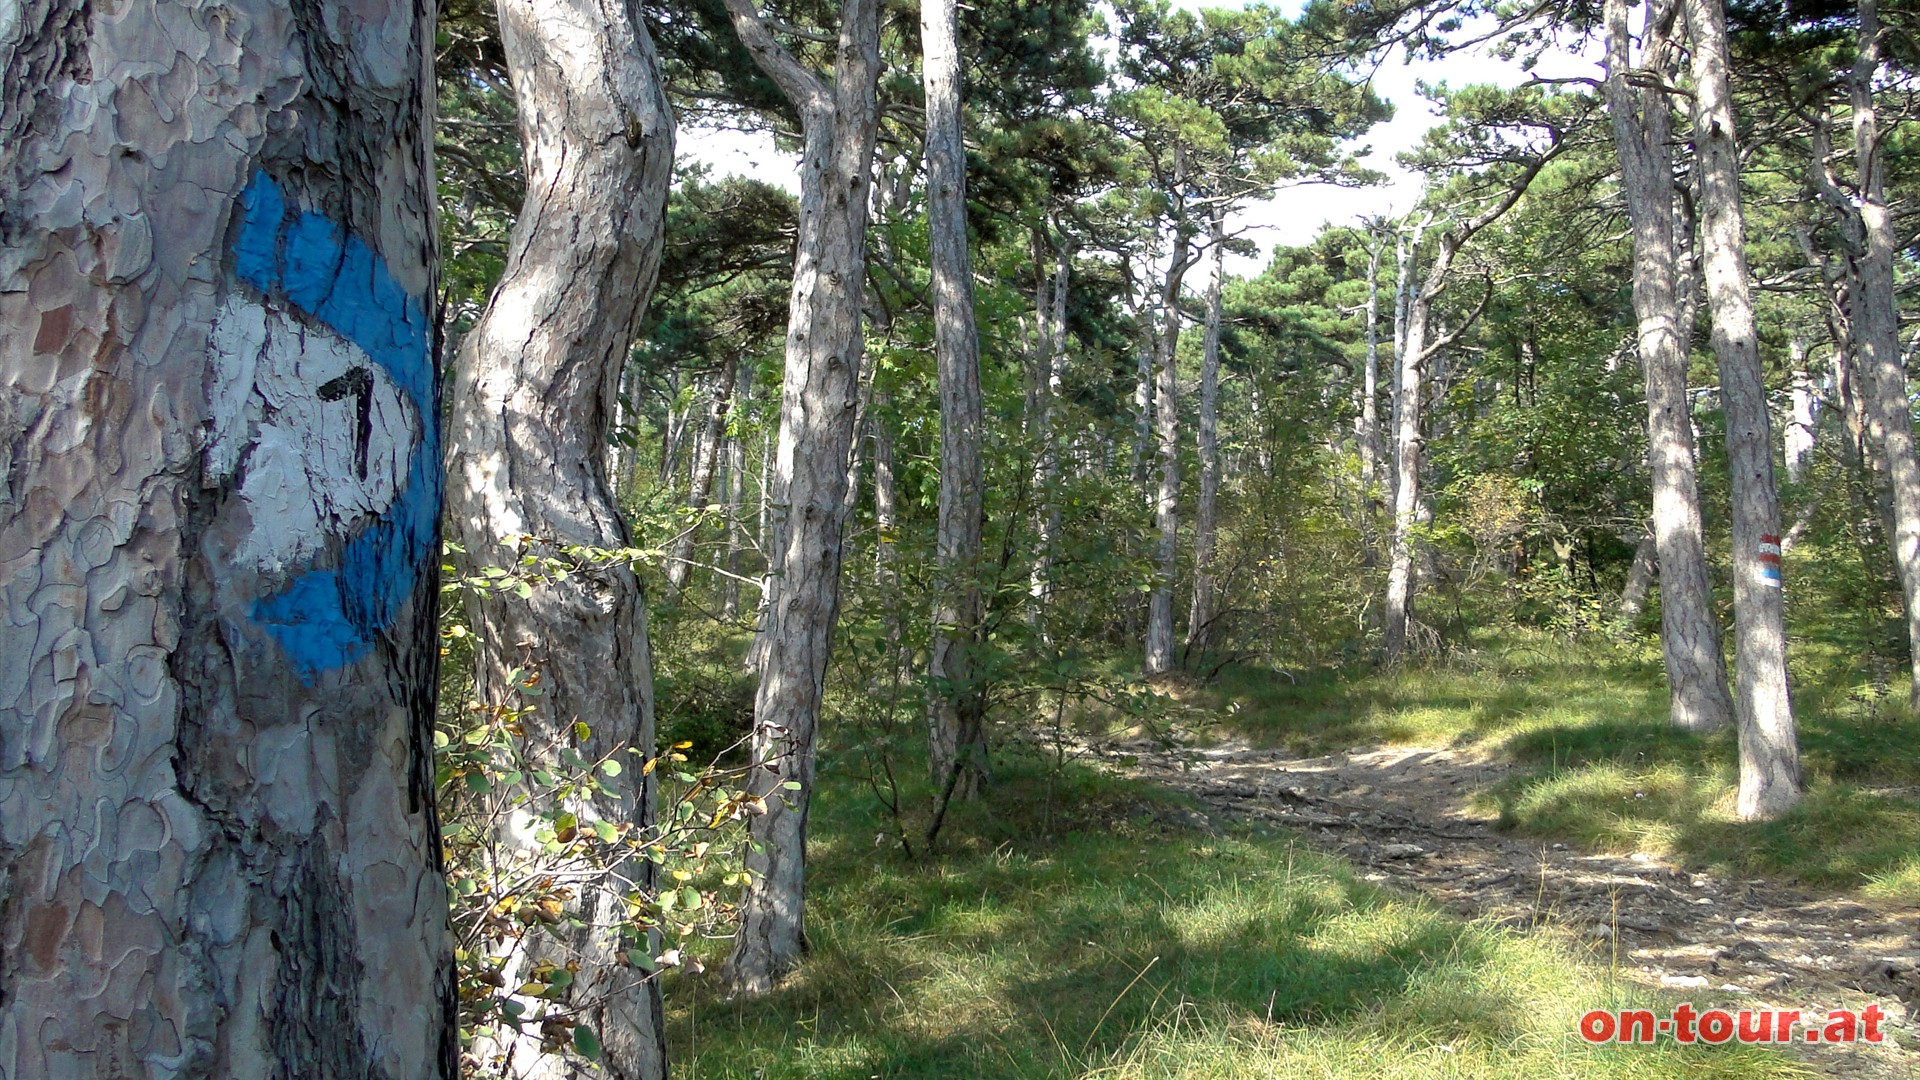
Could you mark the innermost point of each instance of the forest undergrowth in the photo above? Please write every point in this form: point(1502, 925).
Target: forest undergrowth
point(1082, 925)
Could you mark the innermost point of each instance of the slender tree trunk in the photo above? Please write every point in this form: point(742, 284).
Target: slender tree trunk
point(219, 853)
point(838, 123)
point(1143, 396)
point(1642, 133)
point(1368, 427)
point(1206, 512)
point(1166, 503)
point(1408, 450)
point(700, 489)
point(1769, 749)
point(1410, 510)
point(1051, 402)
point(1876, 325)
point(1640, 576)
point(736, 498)
point(1406, 250)
point(956, 709)
point(534, 393)
point(1802, 420)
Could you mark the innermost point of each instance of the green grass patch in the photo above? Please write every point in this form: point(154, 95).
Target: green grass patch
point(1070, 929)
point(1608, 771)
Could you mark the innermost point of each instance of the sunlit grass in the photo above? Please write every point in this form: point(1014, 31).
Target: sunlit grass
point(1071, 931)
point(1606, 770)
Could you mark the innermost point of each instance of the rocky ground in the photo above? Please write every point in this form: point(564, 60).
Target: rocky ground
point(1404, 814)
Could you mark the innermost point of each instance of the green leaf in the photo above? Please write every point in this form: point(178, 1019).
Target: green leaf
point(586, 1042)
point(690, 899)
point(605, 831)
point(610, 767)
point(477, 782)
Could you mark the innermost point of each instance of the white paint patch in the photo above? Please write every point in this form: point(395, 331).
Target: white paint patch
point(298, 457)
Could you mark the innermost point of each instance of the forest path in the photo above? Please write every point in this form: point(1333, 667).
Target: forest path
point(1404, 816)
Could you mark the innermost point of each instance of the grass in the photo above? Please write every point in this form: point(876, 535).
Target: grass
point(1073, 928)
point(1606, 770)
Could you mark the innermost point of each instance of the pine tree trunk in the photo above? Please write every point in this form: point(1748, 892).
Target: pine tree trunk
point(219, 851)
point(1408, 450)
point(533, 395)
point(1640, 576)
point(817, 403)
point(1802, 418)
point(1769, 749)
point(700, 488)
point(1206, 512)
point(955, 707)
point(1166, 423)
point(736, 499)
point(1876, 326)
point(1143, 396)
point(1698, 698)
point(1051, 403)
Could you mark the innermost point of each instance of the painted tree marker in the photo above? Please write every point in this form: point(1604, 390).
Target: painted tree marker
point(346, 454)
point(1770, 559)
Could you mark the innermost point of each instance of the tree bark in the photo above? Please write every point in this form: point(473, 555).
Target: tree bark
point(1802, 418)
point(1640, 576)
point(817, 401)
point(1642, 121)
point(956, 708)
point(1367, 429)
point(736, 498)
point(1769, 749)
point(1052, 400)
point(1408, 450)
point(534, 393)
point(1410, 512)
point(1166, 423)
point(219, 853)
point(700, 489)
point(1874, 321)
point(1206, 513)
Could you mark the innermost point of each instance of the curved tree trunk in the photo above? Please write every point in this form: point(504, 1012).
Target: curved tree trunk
point(218, 537)
point(534, 394)
point(817, 402)
point(1206, 512)
point(955, 708)
point(1769, 748)
point(1698, 699)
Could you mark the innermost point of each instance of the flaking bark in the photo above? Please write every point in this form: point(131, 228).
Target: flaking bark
point(956, 737)
point(219, 477)
point(1642, 122)
point(1770, 780)
point(534, 395)
point(838, 121)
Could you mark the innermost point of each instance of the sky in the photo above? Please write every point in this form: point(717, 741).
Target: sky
point(1296, 214)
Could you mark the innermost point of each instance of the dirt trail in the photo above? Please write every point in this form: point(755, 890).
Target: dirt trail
point(1404, 815)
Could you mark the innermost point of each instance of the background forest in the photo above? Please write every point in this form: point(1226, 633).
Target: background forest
point(1503, 475)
